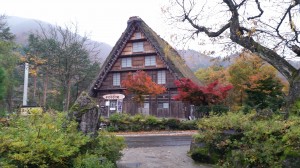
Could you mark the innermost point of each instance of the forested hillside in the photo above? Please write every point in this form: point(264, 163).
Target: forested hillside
point(62, 63)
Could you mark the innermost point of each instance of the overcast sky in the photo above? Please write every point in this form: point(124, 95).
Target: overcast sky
point(102, 20)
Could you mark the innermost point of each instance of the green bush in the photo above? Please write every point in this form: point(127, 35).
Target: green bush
point(188, 125)
point(172, 123)
point(117, 118)
point(239, 140)
point(49, 140)
point(152, 123)
point(107, 146)
point(139, 122)
point(92, 161)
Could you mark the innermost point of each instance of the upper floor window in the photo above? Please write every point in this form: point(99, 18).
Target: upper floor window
point(138, 35)
point(126, 62)
point(150, 61)
point(116, 79)
point(138, 47)
point(161, 77)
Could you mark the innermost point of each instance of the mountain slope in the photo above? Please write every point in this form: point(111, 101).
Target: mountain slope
point(22, 27)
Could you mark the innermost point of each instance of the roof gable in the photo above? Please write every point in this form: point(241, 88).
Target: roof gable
point(172, 60)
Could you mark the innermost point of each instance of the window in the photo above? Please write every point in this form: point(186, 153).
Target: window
point(138, 35)
point(150, 61)
point(161, 77)
point(113, 104)
point(163, 105)
point(126, 62)
point(138, 47)
point(152, 74)
point(146, 105)
point(116, 79)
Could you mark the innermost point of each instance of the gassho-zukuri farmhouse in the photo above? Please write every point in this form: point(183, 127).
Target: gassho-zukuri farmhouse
point(140, 48)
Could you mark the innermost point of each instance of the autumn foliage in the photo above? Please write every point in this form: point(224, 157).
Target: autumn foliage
point(213, 93)
point(139, 84)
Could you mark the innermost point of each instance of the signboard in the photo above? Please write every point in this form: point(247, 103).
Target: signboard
point(114, 96)
point(27, 110)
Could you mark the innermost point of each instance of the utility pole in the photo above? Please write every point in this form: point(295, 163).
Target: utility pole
point(25, 84)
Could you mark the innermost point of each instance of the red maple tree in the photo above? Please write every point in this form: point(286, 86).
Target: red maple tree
point(139, 84)
point(213, 93)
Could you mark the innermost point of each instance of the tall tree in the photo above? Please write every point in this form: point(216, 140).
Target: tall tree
point(245, 72)
point(265, 93)
point(67, 56)
point(8, 62)
point(2, 85)
point(5, 34)
point(212, 73)
point(266, 28)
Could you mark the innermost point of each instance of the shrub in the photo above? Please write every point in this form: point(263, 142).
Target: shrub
point(107, 146)
point(172, 123)
point(45, 140)
point(117, 118)
point(152, 123)
point(188, 125)
point(239, 140)
point(91, 161)
point(139, 122)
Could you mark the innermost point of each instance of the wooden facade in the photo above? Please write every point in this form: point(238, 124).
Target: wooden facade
point(140, 48)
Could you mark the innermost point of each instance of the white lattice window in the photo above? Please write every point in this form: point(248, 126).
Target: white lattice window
point(126, 62)
point(138, 35)
point(161, 77)
point(116, 79)
point(138, 47)
point(150, 60)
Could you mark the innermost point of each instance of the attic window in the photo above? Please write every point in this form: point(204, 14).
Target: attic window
point(150, 60)
point(138, 35)
point(138, 47)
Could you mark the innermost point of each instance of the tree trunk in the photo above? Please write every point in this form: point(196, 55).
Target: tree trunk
point(294, 91)
point(45, 90)
point(34, 89)
point(68, 95)
point(9, 100)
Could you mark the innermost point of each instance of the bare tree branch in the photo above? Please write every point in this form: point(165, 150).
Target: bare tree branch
point(259, 8)
point(283, 17)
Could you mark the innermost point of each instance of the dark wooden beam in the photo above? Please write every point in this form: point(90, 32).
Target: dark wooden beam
point(137, 40)
point(139, 68)
point(139, 54)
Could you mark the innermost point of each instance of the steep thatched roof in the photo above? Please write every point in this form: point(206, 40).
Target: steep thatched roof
point(169, 55)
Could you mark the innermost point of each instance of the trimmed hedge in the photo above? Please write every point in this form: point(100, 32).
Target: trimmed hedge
point(125, 122)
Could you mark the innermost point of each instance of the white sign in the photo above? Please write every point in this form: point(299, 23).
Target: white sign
point(114, 96)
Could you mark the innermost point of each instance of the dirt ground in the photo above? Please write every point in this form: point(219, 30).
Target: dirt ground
point(158, 157)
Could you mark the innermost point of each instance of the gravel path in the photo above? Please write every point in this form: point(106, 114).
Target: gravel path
point(158, 157)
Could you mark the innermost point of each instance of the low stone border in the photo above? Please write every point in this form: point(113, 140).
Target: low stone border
point(156, 133)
